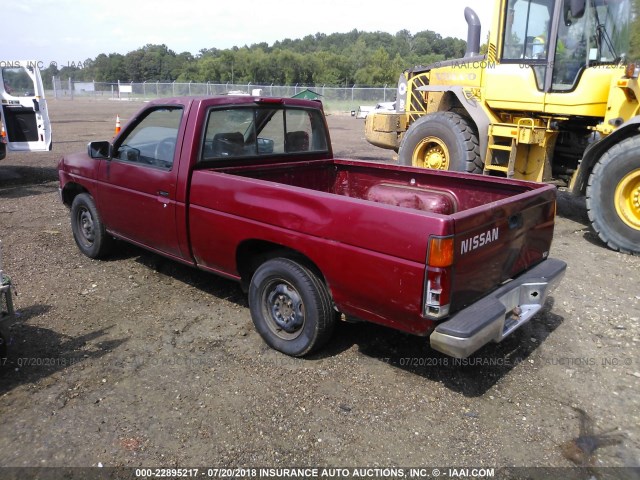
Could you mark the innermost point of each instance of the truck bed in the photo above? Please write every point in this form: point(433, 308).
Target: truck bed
point(351, 215)
point(443, 194)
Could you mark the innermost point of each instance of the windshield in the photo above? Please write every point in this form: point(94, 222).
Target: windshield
point(600, 36)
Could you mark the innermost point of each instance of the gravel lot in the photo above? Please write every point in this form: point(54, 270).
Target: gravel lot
point(139, 361)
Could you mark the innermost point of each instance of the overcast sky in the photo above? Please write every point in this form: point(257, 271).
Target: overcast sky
point(74, 30)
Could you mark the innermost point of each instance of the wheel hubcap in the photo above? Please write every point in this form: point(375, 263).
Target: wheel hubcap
point(286, 307)
point(432, 153)
point(627, 199)
point(86, 226)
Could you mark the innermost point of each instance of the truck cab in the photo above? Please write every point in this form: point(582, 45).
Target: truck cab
point(24, 118)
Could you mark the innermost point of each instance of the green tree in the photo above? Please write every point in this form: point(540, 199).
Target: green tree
point(331, 68)
point(377, 70)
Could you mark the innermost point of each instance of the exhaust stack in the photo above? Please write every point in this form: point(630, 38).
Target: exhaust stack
point(473, 32)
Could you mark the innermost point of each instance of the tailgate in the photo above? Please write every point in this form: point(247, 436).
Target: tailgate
point(497, 241)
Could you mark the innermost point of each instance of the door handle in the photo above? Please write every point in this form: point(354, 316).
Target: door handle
point(164, 195)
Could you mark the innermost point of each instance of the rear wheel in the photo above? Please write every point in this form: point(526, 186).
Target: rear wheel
point(613, 196)
point(441, 141)
point(290, 307)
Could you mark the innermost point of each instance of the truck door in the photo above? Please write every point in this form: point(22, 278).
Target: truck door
point(24, 109)
point(137, 186)
point(590, 50)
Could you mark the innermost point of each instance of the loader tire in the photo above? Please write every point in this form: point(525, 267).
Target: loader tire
point(441, 141)
point(613, 197)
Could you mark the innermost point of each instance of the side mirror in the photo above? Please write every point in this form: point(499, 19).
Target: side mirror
point(265, 146)
point(577, 8)
point(99, 150)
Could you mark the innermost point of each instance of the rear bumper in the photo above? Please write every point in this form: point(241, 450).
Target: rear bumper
point(500, 313)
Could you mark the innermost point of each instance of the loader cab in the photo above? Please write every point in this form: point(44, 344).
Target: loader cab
point(24, 118)
point(557, 57)
point(559, 39)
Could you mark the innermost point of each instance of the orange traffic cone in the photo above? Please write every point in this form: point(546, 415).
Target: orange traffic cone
point(117, 124)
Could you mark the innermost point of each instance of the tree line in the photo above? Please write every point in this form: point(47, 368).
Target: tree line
point(356, 57)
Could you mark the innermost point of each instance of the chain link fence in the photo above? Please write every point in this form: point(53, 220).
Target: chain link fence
point(334, 98)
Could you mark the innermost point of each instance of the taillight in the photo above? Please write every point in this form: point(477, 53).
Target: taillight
point(437, 289)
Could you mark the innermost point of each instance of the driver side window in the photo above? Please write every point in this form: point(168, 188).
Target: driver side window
point(152, 142)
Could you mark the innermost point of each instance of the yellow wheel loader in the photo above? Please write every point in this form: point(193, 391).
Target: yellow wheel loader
point(554, 99)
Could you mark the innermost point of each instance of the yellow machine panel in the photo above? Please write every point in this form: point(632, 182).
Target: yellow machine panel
point(590, 96)
point(512, 87)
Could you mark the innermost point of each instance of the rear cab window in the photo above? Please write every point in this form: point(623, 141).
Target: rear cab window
point(250, 131)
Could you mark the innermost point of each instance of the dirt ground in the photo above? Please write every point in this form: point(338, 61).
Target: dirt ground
point(139, 361)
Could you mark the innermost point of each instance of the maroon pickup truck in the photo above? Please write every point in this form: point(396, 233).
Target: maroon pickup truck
point(248, 188)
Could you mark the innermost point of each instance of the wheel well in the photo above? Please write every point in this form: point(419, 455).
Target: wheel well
point(253, 253)
point(71, 191)
point(454, 100)
point(450, 103)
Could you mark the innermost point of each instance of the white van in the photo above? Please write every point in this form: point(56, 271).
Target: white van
point(24, 120)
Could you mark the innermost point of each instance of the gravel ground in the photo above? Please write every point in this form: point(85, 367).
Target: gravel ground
point(140, 361)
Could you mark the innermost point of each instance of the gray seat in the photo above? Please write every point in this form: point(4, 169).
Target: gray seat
point(227, 144)
point(297, 141)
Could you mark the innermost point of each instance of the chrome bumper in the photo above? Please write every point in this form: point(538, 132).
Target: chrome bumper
point(500, 313)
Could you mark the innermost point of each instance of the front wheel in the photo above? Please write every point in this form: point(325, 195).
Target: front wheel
point(441, 141)
point(613, 196)
point(88, 230)
point(290, 307)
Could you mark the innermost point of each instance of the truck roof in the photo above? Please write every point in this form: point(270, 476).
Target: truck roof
point(239, 100)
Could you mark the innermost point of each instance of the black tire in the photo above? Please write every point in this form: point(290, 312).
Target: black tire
point(3, 349)
point(613, 196)
point(290, 307)
point(451, 139)
point(88, 230)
